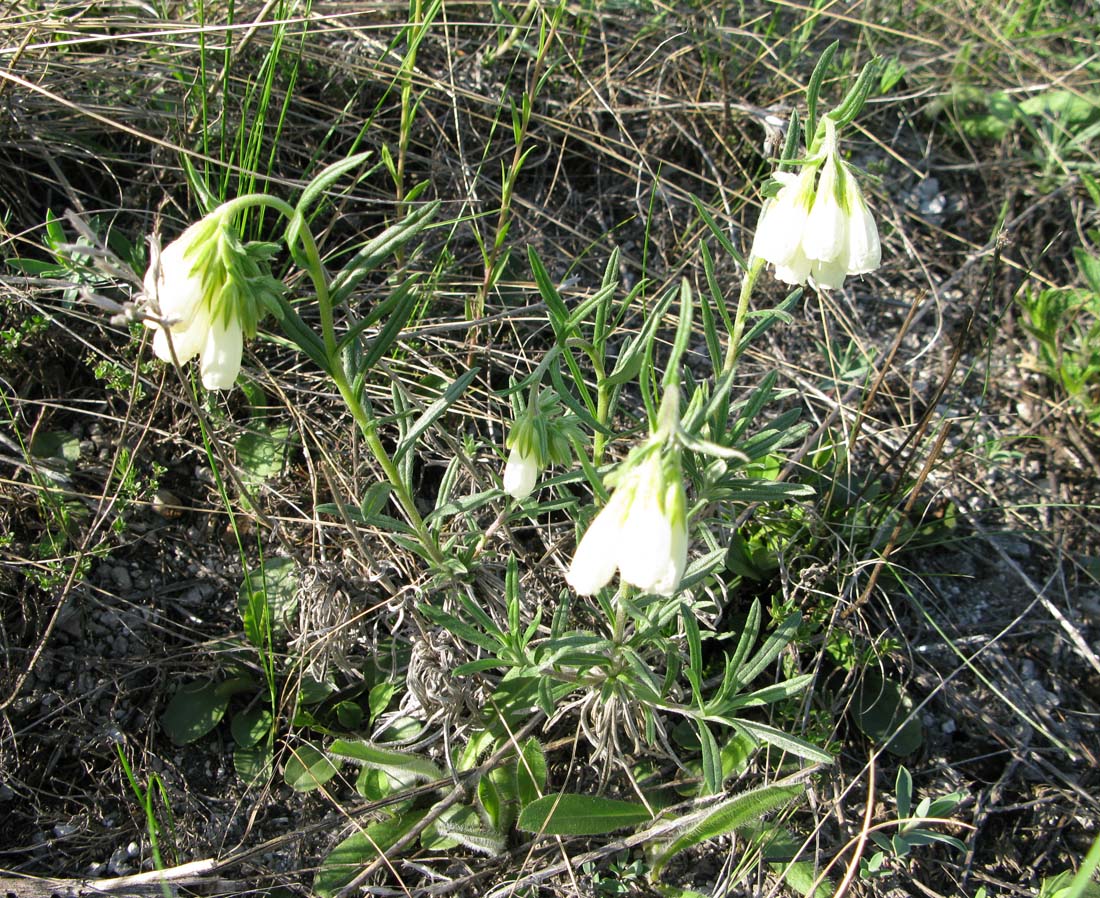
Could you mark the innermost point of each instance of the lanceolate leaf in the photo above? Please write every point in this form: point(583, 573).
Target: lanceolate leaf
point(580, 815)
point(434, 411)
point(728, 816)
point(361, 848)
point(379, 249)
point(385, 759)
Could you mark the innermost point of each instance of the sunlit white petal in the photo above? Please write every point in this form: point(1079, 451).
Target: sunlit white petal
point(520, 474)
point(221, 354)
point(597, 555)
point(825, 238)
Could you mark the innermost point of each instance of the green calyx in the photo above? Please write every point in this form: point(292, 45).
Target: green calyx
point(542, 432)
point(237, 285)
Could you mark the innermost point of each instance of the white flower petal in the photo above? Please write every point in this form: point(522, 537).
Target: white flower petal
point(646, 547)
point(221, 355)
point(825, 237)
point(520, 474)
point(173, 283)
point(187, 339)
point(864, 249)
point(782, 221)
point(829, 275)
point(597, 557)
point(795, 271)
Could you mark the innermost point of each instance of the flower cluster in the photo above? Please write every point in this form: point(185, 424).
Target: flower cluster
point(818, 228)
point(642, 531)
point(208, 291)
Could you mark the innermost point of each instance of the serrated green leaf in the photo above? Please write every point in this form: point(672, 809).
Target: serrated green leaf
point(580, 815)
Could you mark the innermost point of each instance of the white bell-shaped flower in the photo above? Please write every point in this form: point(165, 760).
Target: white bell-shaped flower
point(778, 238)
point(823, 231)
point(642, 531)
point(205, 286)
point(520, 473)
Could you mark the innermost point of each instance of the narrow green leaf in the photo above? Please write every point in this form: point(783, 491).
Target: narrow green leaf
point(379, 250)
point(387, 759)
point(325, 178)
point(769, 651)
point(433, 412)
point(580, 815)
point(735, 812)
point(531, 772)
point(712, 759)
point(813, 89)
point(358, 850)
point(391, 330)
point(799, 747)
point(903, 792)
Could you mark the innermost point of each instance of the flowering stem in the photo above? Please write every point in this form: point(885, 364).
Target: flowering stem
point(756, 265)
point(316, 270)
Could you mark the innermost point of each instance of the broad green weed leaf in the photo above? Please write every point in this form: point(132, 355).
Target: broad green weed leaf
point(274, 586)
point(580, 815)
point(307, 768)
point(358, 850)
point(252, 764)
point(194, 710)
point(261, 452)
point(251, 726)
point(56, 444)
point(879, 707)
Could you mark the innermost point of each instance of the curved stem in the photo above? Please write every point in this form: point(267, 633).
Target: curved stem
point(299, 230)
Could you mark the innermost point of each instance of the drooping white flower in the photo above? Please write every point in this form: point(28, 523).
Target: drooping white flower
point(540, 436)
point(641, 532)
point(823, 231)
point(208, 290)
point(782, 222)
point(187, 282)
point(520, 473)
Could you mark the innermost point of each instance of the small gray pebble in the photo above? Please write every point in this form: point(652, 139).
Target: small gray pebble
point(122, 578)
